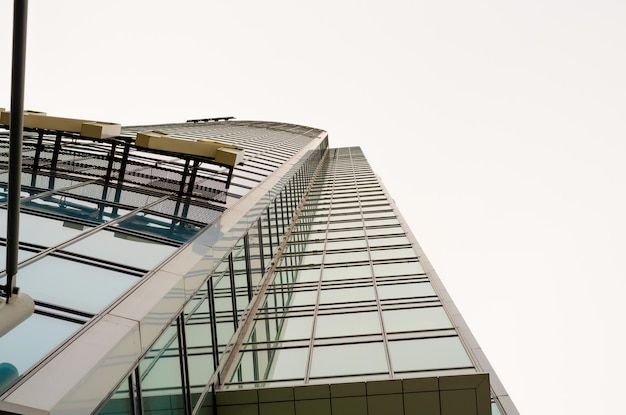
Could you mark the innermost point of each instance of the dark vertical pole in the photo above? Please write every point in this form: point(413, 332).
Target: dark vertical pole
point(20, 12)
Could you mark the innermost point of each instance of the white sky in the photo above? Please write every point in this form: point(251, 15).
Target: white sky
point(498, 126)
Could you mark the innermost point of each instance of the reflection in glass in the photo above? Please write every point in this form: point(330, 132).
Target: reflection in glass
point(416, 289)
point(345, 273)
point(348, 359)
point(73, 284)
point(120, 403)
point(175, 229)
point(42, 231)
point(398, 268)
point(428, 354)
point(347, 324)
point(34, 338)
point(345, 295)
point(161, 384)
point(412, 319)
point(199, 343)
point(123, 249)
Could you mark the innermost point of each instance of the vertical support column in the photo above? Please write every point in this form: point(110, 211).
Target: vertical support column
point(20, 13)
point(246, 247)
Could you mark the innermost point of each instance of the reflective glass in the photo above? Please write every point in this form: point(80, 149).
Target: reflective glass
point(346, 244)
point(399, 268)
point(42, 231)
point(295, 328)
point(347, 324)
point(282, 364)
point(161, 378)
point(120, 403)
point(417, 289)
point(376, 242)
point(199, 344)
point(347, 295)
point(68, 206)
point(345, 234)
point(393, 253)
point(411, 319)
point(159, 226)
point(345, 225)
point(123, 249)
point(381, 222)
point(428, 354)
point(22, 255)
point(340, 257)
point(30, 341)
point(303, 298)
point(308, 275)
point(345, 273)
point(73, 284)
point(390, 230)
point(348, 359)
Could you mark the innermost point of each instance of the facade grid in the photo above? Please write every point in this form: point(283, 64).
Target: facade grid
point(302, 276)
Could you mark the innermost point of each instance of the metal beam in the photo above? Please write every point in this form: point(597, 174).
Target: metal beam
point(20, 13)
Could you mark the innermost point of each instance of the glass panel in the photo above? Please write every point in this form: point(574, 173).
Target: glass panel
point(123, 249)
point(349, 244)
point(347, 324)
point(400, 240)
point(120, 403)
point(341, 257)
point(345, 234)
point(276, 364)
point(72, 284)
point(393, 253)
point(418, 289)
point(345, 273)
point(199, 344)
point(161, 382)
point(308, 275)
point(42, 231)
point(30, 341)
point(348, 359)
point(296, 328)
point(21, 255)
point(399, 268)
point(303, 298)
point(427, 354)
point(347, 294)
point(390, 230)
point(71, 207)
point(411, 319)
point(160, 226)
point(256, 269)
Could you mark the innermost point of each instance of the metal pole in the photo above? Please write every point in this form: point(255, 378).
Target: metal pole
point(20, 12)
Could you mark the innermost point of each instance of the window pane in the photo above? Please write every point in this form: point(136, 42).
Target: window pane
point(418, 289)
point(415, 319)
point(348, 359)
point(428, 354)
point(347, 324)
point(73, 284)
point(400, 268)
point(347, 294)
point(123, 249)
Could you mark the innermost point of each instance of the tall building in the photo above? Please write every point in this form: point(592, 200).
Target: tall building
point(224, 267)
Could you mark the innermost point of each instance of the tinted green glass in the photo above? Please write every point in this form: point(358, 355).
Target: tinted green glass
point(348, 359)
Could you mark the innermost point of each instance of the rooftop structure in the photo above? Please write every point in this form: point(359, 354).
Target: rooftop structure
point(220, 266)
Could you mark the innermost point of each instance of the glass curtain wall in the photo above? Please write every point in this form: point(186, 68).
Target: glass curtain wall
point(174, 375)
point(349, 300)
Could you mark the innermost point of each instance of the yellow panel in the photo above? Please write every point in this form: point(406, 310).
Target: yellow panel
point(229, 156)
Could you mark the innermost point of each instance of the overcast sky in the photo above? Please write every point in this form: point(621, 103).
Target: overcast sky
point(497, 126)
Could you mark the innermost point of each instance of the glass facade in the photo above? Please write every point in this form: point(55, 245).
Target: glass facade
point(301, 273)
